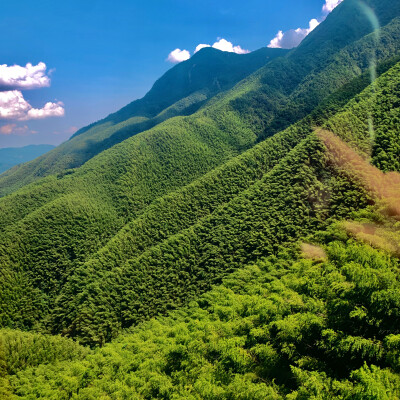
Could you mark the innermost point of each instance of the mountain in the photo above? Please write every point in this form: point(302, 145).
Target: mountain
point(181, 91)
point(49, 229)
point(249, 250)
point(313, 317)
point(275, 96)
point(208, 71)
point(17, 155)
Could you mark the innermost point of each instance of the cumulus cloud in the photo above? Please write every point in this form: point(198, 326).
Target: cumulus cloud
point(293, 37)
point(49, 110)
point(13, 106)
point(14, 129)
point(223, 45)
point(178, 56)
point(29, 77)
point(330, 5)
point(201, 46)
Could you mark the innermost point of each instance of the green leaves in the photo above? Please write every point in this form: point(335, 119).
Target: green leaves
point(269, 332)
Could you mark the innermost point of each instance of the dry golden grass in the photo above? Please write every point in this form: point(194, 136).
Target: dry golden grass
point(377, 236)
point(384, 188)
point(313, 252)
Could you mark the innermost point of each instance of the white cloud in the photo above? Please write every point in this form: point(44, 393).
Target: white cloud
point(178, 56)
point(312, 25)
point(201, 46)
point(13, 106)
point(14, 129)
point(330, 5)
point(49, 110)
point(223, 45)
point(28, 77)
point(293, 37)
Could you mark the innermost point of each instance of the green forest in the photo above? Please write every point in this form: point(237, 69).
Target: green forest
point(238, 241)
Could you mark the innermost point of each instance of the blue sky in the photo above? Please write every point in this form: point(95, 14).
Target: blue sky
point(101, 55)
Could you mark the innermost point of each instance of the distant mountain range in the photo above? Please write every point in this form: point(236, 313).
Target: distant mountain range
point(11, 156)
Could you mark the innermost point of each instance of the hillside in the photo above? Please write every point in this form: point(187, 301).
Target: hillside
point(277, 95)
point(249, 250)
point(317, 316)
point(180, 91)
point(283, 202)
point(50, 228)
point(275, 329)
point(11, 156)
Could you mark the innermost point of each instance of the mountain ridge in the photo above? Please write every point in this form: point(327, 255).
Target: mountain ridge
point(294, 66)
point(119, 184)
point(185, 87)
point(287, 299)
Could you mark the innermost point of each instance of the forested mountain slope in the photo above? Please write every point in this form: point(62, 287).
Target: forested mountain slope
point(189, 262)
point(218, 126)
point(317, 318)
point(209, 70)
point(279, 94)
point(313, 325)
point(286, 198)
point(51, 228)
point(180, 91)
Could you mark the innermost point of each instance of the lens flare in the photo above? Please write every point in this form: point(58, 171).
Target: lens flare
point(373, 19)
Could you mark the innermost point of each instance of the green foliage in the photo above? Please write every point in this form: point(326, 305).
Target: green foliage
point(22, 305)
point(281, 328)
point(287, 202)
point(370, 122)
point(146, 270)
point(164, 252)
point(22, 350)
point(183, 242)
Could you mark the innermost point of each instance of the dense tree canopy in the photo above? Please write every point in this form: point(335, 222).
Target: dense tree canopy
point(247, 251)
